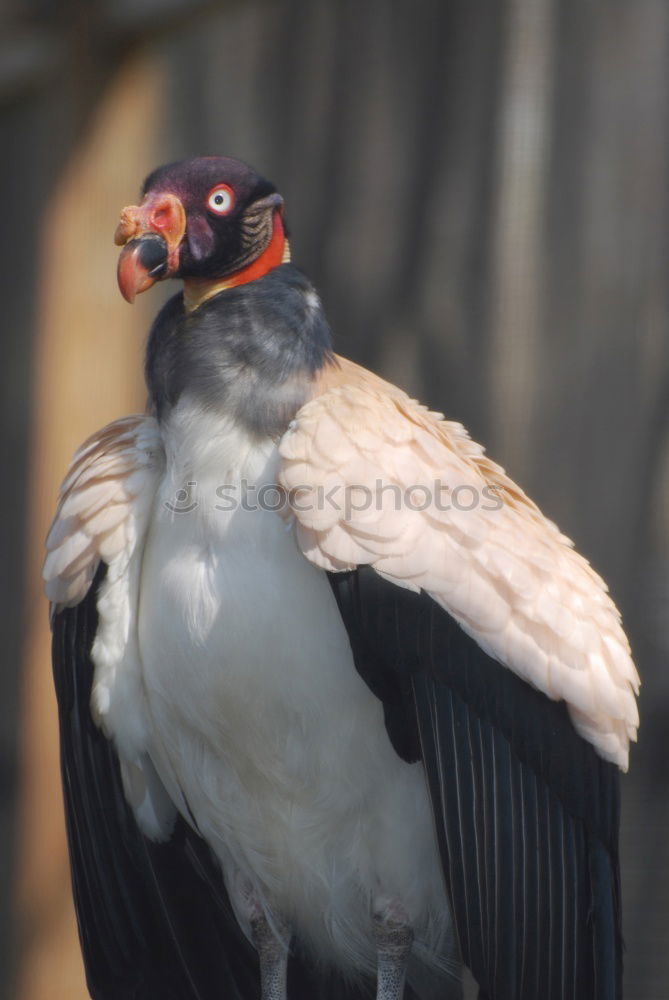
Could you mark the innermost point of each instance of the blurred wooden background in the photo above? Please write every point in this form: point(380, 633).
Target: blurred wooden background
point(479, 189)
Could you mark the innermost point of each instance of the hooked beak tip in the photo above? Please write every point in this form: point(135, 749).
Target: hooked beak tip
point(142, 262)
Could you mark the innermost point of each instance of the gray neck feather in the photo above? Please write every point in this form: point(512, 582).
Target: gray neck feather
point(248, 353)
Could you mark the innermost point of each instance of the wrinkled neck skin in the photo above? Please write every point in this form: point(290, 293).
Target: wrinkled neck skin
point(247, 355)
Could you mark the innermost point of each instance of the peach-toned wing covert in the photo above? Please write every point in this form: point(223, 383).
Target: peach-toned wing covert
point(103, 506)
point(376, 479)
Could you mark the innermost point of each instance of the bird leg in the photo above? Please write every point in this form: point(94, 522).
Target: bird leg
point(394, 937)
point(273, 955)
point(271, 940)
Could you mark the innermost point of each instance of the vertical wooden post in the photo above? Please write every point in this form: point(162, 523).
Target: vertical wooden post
point(517, 270)
point(88, 371)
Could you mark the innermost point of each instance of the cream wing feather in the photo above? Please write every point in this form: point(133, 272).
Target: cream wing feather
point(102, 517)
point(103, 506)
point(376, 479)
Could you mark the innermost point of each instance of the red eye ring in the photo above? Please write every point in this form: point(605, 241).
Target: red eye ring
point(221, 199)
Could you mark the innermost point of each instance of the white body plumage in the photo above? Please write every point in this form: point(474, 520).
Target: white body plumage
point(289, 771)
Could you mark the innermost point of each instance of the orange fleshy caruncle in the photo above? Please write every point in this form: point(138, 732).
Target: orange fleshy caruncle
point(150, 235)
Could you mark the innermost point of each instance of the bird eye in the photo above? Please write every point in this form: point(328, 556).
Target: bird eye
point(221, 199)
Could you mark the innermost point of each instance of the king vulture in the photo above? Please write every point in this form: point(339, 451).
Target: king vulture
point(340, 709)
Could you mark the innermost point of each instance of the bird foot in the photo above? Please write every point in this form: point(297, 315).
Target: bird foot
point(394, 937)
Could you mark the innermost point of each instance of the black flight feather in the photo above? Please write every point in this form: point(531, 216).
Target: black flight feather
point(526, 812)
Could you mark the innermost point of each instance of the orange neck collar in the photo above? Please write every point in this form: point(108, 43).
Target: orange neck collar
point(277, 252)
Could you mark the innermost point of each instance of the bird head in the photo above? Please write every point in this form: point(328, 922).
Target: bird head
point(212, 221)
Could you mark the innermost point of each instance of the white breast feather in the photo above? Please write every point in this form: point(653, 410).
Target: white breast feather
point(262, 729)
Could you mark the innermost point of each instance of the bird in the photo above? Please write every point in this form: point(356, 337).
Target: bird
point(341, 711)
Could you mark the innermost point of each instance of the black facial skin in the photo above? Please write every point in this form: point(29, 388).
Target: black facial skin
point(248, 353)
point(214, 245)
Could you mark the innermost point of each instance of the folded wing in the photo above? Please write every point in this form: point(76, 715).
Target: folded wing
point(500, 660)
point(152, 913)
point(376, 479)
